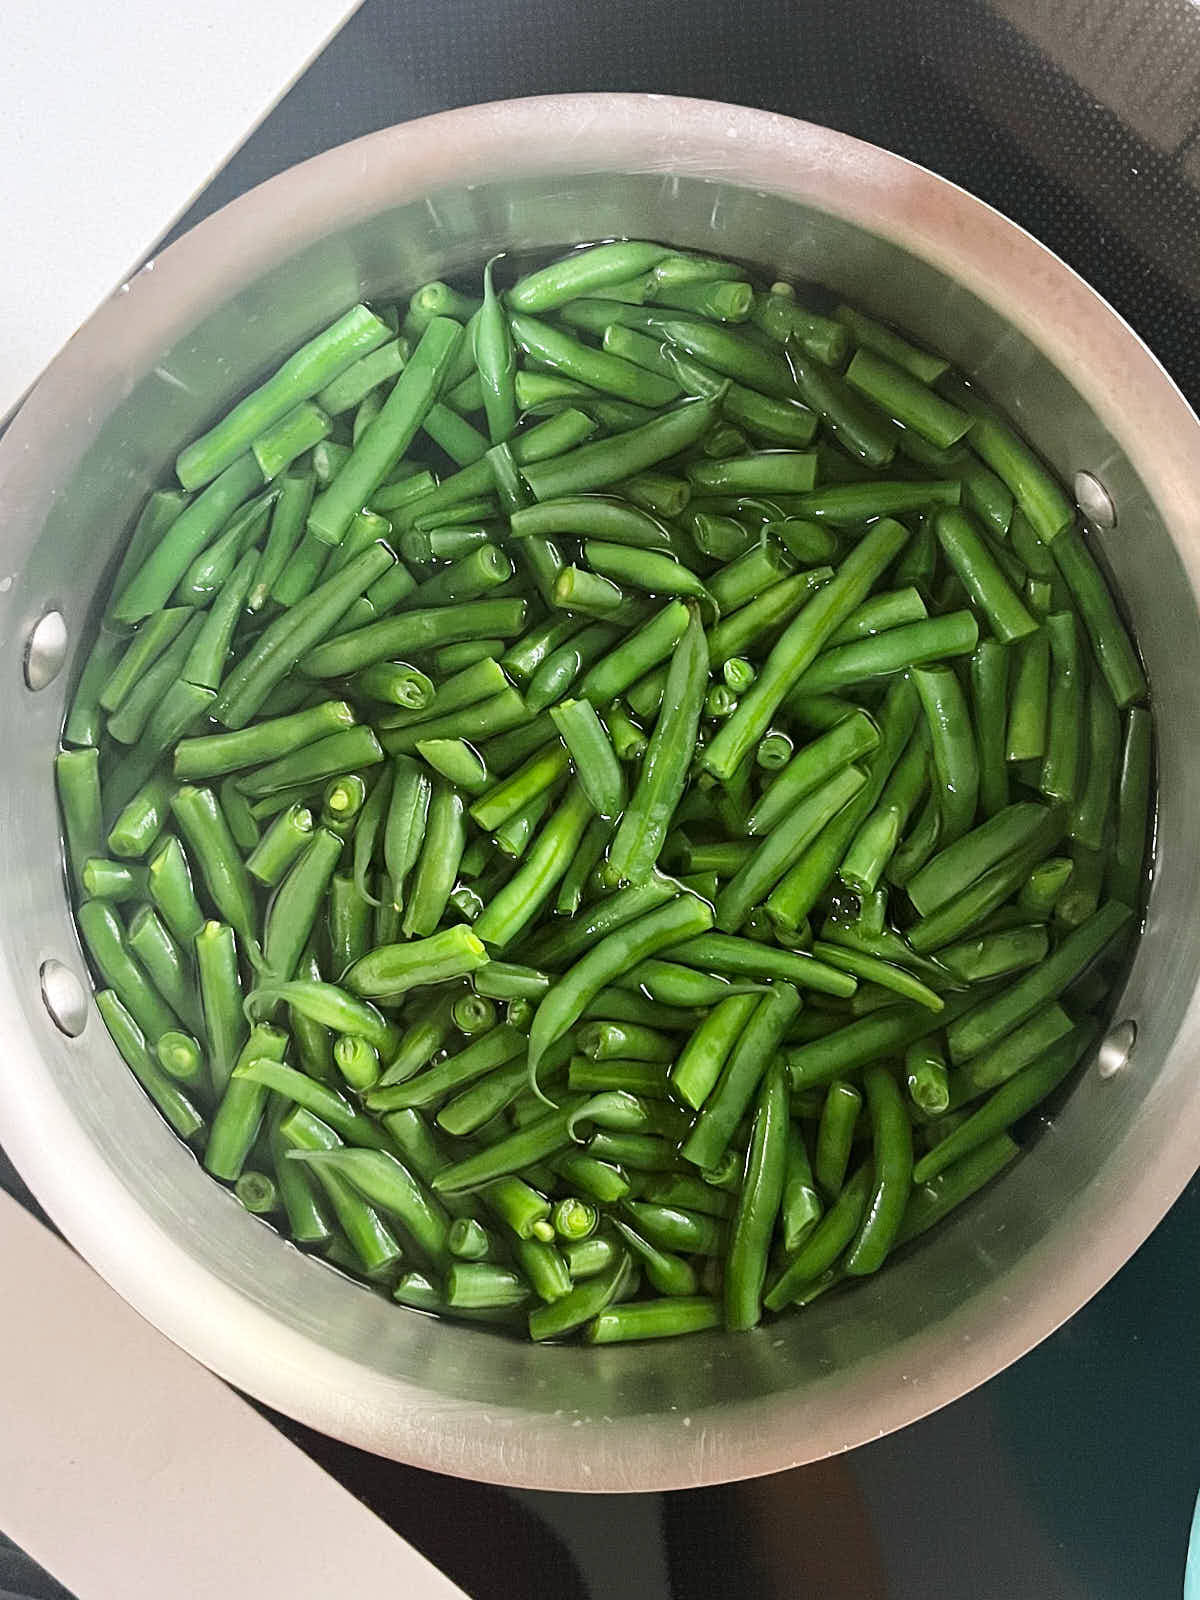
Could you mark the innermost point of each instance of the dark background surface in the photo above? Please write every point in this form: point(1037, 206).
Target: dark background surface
point(1072, 1475)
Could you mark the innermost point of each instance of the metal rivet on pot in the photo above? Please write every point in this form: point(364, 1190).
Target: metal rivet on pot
point(46, 650)
point(1094, 500)
point(1116, 1048)
point(64, 998)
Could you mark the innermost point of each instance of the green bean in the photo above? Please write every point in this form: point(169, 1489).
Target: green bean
point(392, 969)
point(758, 1204)
point(995, 954)
point(414, 631)
point(512, 837)
point(426, 1034)
point(598, 771)
point(1127, 874)
point(188, 535)
point(800, 643)
point(180, 1056)
point(968, 554)
point(477, 1285)
point(314, 365)
point(295, 634)
point(926, 1077)
point(458, 761)
point(699, 1064)
point(143, 649)
point(239, 1115)
point(653, 1319)
point(296, 904)
point(812, 766)
point(995, 1017)
point(1036, 492)
point(203, 825)
point(373, 1244)
point(615, 953)
point(851, 504)
point(581, 272)
point(915, 644)
point(882, 1034)
point(616, 670)
point(880, 612)
point(764, 472)
point(452, 658)
point(646, 569)
point(930, 1202)
point(891, 1135)
point(389, 435)
point(728, 300)
point(404, 827)
point(483, 1100)
point(138, 706)
point(298, 430)
point(916, 566)
point(512, 794)
point(84, 722)
point(596, 368)
point(167, 1095)
point(783, 846)
point(1019, 1095)
point(225, 1029)
point(1029, 699)
point(1014, 1052)
point(108, 947)
point(668, 1273)
point(387, 1184)
point(870, 969)
point(966, 860)
point(544, 1268)
point(1095, 804)
point(469, 1240)
point(77, 777)
point(152, 944)
point(871, 335)
point(835, 1231)
point(955, 758)
point(594, 517)
point(492, 715)
point(1111, 643)
point(258, 1192)
point(898, 393)
point(835, 1136)
point(1061, 775)
point(743, 1070)
point(169, 881)
point(876, 839)
point(982, 895)
point(643, 828)
point(363, 377)
point(349, 923)
point(522, 659)
point(437, 865)
point(213, 566)
point(606, 1041)
point(608, 461)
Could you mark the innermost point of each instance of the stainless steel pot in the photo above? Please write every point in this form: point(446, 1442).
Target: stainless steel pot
point(156, 363)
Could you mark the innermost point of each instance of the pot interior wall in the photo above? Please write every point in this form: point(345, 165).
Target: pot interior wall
point(402, 1382)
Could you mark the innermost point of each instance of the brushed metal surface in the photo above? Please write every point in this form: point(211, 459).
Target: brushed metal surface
point(163, 357)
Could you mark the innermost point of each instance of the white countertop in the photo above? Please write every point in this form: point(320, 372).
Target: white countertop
point(111, 121)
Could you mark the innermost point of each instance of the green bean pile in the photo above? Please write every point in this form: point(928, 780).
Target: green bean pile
point(600, 807)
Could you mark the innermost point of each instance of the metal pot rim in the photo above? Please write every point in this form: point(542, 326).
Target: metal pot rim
point(875, 190)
